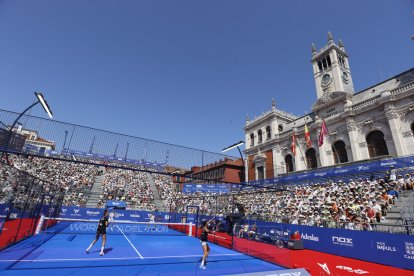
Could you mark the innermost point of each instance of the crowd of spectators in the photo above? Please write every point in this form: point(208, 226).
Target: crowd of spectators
point(129, 186)
point(52, 176)
point(167, 189)
point(358, 204)
point(355, 204)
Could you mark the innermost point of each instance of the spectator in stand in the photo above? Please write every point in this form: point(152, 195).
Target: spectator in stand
point(392, 174)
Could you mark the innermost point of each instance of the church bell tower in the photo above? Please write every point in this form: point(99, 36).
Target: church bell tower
point(331, 68)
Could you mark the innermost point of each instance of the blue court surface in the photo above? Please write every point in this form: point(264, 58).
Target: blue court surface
point(161, 252)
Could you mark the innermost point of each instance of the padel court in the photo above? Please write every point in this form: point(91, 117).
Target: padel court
point(130, 250)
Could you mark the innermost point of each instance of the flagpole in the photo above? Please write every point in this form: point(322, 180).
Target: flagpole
point(319, 153)
point(301, 153)
point(305, 128)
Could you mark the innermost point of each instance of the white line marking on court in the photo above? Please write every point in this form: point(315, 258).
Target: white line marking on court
point(130, 258)
point(130, 242)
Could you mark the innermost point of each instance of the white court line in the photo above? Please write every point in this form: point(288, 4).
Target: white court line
point(130, 258)
point(130, 242)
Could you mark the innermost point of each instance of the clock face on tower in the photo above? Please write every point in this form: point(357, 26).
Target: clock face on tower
point(326, 80)
point(345, 77)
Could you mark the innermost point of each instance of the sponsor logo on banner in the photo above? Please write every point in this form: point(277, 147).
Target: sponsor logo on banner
point(312, 237)
point(363, 168)
point(351, 270)
point(134, 216)
point(91, 213)
point(325, 268)
point(119, 215)
point(342, 241)
point(341, 171)
point(409, 250)
point(166, 217)
point(384, 247)
point(13, 215)
point(321, 174)
point(64, 210)
point(388, 164)
point(75, 213)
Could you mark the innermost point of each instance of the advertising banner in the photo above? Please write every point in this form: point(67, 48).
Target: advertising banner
point(396, 250)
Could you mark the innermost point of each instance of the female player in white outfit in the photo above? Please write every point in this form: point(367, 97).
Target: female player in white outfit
point(151, 222)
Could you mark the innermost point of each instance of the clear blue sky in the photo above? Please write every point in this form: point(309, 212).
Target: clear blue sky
point(188, 72)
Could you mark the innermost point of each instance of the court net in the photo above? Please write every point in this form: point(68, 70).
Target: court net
point(47, 225)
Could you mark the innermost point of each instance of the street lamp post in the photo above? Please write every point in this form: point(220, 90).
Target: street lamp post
point(236, 145)
point(42, 101)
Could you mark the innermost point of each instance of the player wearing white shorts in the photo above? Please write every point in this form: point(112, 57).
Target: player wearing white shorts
point(151, 222)
point(203, 239)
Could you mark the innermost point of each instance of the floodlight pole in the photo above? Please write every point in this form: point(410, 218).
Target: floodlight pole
point(42, 101)
point(236, 145)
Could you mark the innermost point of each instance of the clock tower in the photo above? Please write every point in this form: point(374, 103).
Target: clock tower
point(331, 68)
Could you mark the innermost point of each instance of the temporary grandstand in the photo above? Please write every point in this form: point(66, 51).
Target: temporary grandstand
point(350, 217)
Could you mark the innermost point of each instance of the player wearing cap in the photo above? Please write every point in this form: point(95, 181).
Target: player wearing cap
point(100, 231)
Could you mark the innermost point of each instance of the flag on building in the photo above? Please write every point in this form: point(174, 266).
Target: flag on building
point(293, 145)
point(323, 132)
point(307, 137)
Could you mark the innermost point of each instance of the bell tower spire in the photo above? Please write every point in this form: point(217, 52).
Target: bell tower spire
point(331, 69)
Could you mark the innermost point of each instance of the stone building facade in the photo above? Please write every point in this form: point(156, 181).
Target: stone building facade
point(377, 121)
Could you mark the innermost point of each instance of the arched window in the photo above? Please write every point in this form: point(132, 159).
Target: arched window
point(329, 61)
point(311, 162)
point(251, 139)
point(268, 133)
point(412, 128)
point(339, 151)
point(320, 66)
point(324, 63)
point(289, 163)
point(259, 136)
point(376, 144)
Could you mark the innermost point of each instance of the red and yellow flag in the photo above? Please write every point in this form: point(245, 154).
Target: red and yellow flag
point(307, 137)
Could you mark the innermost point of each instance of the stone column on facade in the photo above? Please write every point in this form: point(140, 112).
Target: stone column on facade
point(353, 138)
point(276, 153)
point(395, 129)
point(300, 155)
point(323, 156)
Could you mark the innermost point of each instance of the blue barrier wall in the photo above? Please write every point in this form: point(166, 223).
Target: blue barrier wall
point(389, 249)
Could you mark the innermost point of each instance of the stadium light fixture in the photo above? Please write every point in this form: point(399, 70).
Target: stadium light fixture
point(236, 145)
point(44, 104)
point(42, 101)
